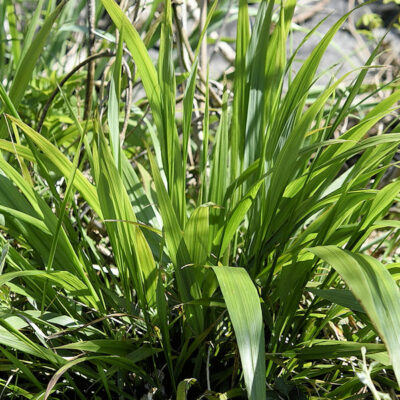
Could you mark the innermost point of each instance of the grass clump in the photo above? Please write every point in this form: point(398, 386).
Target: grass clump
point(145, 255)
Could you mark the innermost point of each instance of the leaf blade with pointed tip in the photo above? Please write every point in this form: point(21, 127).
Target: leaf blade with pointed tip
point(244, 309)
point(375, 289)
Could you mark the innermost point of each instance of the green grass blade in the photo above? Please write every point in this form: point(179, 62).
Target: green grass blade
point(244, 309)
point(34, 22)
point(12, 22)
point(63, 164)
point(3, 256)
point(172, 229)
point(219, 165)
point(113, 123)
point(132, 253)
point(197, 235)
point(227, 232)
point(22, 367)
point(342, 297)
point(7, 103)
point(374, 287)
point(170, 148)
point(177, 250)
point(204, 151)
point(302, 82)
point(142, 60)
point(63, 279)
point(187, 112)
point(163, 321)
point(321, 349)
point(380, 205)
point(24, 211)
point(256, 67)
point(28, 62)
point(241, 92)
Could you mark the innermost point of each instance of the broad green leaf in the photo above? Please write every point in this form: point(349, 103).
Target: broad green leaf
point(376, 290)
point(26, 218)
point(196, 235)
point(243, 304)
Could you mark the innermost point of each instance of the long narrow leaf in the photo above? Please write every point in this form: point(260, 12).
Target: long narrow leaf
point(375, 289)
point(244, 309)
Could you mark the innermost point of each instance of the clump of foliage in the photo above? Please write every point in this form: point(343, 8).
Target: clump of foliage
point(176, 261)
point(373, 20)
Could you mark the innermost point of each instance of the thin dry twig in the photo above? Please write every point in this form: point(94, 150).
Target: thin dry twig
point(203, 48)
point(109, 316)
point(106, 53)
point(91, 66)
point(310, 12)
point(183, 36)
point(361, 50)
point(128, 100)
